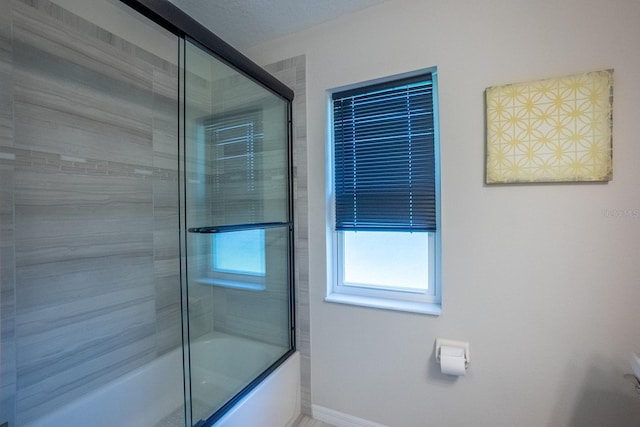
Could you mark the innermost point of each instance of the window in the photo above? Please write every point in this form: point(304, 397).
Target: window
point(234, 144)
point(238, 259)
point(240, 252)
point(385, 174)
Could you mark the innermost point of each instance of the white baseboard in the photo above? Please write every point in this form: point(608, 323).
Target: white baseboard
point(340, 419)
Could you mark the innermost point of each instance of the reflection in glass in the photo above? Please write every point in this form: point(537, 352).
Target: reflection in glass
point(239, 252)
point(238, 244)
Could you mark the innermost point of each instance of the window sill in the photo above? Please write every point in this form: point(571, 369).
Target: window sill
point(386, 304)
point(232, 284)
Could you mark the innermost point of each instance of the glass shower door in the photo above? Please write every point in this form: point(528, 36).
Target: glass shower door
point(237, 223)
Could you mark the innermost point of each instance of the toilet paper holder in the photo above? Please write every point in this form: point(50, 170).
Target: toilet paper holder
point(441, 342)
point(631, 377)
point(635, 376)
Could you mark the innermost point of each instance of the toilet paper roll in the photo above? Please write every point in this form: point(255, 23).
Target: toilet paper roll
point(452, 361)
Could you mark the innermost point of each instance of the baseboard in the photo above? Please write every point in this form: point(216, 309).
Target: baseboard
point(340, 419)
point(292, 423)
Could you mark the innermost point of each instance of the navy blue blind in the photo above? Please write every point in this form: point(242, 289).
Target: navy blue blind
point(384, 161)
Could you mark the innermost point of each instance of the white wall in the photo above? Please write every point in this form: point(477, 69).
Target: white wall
point(537, 278)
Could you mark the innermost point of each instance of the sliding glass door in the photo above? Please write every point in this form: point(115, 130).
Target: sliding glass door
point(237, 229)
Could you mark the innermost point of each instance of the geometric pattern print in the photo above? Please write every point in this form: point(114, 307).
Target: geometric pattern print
point(554, 130)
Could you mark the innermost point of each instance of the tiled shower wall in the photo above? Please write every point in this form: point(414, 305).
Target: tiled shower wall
point(7, 252)
point(89, 262)
point(292, 72)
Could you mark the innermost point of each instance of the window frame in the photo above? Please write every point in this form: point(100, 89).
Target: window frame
point(429, 302)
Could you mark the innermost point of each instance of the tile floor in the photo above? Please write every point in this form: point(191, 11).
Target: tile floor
point(305, 421)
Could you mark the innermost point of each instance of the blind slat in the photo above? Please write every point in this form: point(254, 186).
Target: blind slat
point(384, 158)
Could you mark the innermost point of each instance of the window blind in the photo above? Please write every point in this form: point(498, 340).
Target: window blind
point(234, 167)
point(384, 162)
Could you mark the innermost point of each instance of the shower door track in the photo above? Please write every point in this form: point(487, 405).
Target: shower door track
point(175, 20)
point(238, 227)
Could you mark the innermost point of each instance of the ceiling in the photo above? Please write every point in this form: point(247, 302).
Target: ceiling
point(246, 23)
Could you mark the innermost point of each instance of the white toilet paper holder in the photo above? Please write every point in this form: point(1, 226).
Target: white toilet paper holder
point(635, 367)
point(440, 342)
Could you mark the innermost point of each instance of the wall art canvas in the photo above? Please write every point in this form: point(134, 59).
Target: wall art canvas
point(553, 130)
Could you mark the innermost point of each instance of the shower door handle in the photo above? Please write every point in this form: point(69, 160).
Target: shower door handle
point(238, 227)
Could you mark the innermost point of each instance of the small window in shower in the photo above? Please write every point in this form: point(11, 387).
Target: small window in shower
point(239, 252)
point(235, 157)
point(234, 142)
point(238, 259)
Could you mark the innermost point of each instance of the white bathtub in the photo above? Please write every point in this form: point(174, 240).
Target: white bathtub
point(152, 395)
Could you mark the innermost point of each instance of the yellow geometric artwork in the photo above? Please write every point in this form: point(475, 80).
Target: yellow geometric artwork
point(554, 130)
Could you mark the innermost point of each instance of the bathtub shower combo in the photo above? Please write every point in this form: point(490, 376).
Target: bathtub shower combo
point(146, 233)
